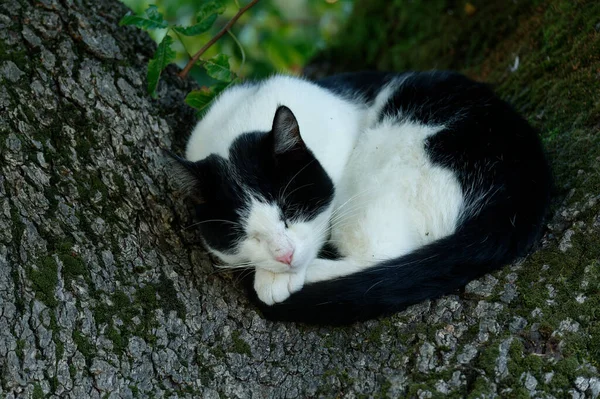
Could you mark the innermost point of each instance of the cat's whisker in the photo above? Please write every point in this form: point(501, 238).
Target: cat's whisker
point(284, 199)
point(209, 221)
point(330, 223)
point(296, 175)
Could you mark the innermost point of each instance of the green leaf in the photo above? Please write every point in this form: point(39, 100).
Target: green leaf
point(201, 27)
point(163, 56)
point(218, 68)
point(150, 19)
point(210, 7)
point(199, 99)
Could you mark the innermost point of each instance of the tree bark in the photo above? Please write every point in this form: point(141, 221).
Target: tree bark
point(105, 290)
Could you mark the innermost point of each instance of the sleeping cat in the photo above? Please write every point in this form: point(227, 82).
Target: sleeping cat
point(363, 193)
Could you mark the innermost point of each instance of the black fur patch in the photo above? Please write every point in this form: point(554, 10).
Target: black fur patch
point(295, 181)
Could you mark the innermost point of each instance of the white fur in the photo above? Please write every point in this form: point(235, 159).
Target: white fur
point(328, 124)
point(389, 199)
point(402, 203)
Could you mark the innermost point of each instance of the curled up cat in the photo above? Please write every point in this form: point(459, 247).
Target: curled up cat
point(363, 193)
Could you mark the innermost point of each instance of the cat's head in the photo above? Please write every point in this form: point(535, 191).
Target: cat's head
point(267, 204)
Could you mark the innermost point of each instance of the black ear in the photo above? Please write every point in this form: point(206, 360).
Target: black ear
point(286, 132)
point(185, 174)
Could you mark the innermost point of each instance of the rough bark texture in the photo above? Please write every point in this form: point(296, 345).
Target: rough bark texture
point(105, 293)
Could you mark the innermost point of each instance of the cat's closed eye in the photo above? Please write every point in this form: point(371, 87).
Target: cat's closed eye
point(255, 237)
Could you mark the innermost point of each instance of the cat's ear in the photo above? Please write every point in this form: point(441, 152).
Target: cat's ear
point(286, 132)
point(185, 174)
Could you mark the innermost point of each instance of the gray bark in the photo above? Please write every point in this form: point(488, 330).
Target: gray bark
point(105, 293)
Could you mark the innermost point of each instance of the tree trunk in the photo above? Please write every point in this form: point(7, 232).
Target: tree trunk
point(105, 292)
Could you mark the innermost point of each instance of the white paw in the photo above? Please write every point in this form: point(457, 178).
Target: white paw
point(277, 287)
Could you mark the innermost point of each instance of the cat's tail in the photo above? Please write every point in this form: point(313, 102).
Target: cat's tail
point(438, 268)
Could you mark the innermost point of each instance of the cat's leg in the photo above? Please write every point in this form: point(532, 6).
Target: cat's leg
point(277, 287)
point(327, 269)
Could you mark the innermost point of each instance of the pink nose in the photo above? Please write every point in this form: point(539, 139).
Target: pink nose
point(285, 258)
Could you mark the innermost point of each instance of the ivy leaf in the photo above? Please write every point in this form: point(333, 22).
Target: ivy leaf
point(201, 27)
point(150, 19)
point(163, 56)
point(218, 68)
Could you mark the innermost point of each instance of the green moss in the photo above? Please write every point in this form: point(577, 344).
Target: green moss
point(20, 348)
point(72, 371)
point(53, 381)
point(19, 302)
point(38, 392)
point(44, 280)
point(480, 389)
point(239, 345)
point(374, 334)
point(18, 56)
point(119, 341)
point(120, 183)
point(339, 376)
point(72, 267)
point(96, 184)
point(218, 352)
point(168, 296)
point(423, 34)
point(18, 227)
point(146, 300)
point(487, 358)
point(60, 349)
point(84, 345)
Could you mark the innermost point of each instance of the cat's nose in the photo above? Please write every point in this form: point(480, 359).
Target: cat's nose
point(285, 258)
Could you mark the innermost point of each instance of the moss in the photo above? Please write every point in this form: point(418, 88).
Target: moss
point(19, 349)
point(135, 391)
point(120, 183)
point(239, 345)
point(487, 359)
point(119, 341)
point(374, 334)
point(53, 381)
point(19, 302)
point(168, 296)
point(72, 267)
point(480, 389)
point(50, 193)
point(84, 345)
point(44, 280)
point(72, 371)
point(60, 349)
point(218, 352)
point(38, 392)
point(342, 381)
point(96, 184)
point(18, 56)
point(18, 227)
point(423, 34)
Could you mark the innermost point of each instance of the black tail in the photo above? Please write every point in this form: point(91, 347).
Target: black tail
point(493, 150)
point(427, 273)
point(439, 268)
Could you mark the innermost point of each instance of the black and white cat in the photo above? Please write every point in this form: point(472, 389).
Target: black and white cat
point(363, 193)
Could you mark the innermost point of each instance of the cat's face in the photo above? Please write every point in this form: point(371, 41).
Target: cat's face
point(268, 204)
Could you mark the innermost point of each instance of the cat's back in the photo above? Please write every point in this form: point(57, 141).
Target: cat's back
point(250, 107)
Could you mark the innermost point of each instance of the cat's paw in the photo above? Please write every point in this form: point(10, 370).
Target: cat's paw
point(277, 287)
